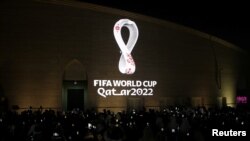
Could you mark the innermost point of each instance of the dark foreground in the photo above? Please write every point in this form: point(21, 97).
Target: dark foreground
point(170, 124)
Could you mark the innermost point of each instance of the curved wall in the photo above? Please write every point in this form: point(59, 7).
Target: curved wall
point(39, 39)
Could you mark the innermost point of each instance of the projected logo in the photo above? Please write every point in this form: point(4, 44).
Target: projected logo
point(115, 87)
point(126, 62)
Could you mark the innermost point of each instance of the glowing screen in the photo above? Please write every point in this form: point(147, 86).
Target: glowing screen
point(241, 99)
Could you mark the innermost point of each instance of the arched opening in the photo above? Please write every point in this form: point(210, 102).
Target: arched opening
point(74, 93)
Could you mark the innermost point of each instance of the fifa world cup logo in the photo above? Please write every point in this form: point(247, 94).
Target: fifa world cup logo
point(126, 62)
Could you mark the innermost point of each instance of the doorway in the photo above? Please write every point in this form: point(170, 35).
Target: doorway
point(74, 95)
point(135, 104)
point(75, 86)
point(75, 99)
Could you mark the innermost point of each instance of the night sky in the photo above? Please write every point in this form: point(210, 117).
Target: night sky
point(228, 21)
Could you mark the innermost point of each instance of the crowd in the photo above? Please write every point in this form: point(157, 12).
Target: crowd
point(169, 124)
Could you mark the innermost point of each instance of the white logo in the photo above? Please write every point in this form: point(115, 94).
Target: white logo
point(126, 62)
point(216, 132)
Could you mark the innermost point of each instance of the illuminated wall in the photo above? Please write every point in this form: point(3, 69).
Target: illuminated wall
point(39, 42)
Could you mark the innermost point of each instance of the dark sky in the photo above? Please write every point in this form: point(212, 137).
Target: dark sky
point(228, 21)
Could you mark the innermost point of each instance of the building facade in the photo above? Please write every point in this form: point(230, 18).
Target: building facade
point(63, 54)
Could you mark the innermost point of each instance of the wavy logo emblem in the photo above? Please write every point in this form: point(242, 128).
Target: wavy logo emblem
point(126, 62)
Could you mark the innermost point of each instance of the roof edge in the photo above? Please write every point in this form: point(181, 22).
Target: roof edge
point(108, 10)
